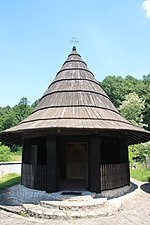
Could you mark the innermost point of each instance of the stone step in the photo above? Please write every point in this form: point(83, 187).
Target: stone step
point(75, 205)
point(73, 196)
point(39, 211)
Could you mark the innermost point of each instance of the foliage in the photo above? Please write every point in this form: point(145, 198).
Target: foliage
point(35, 103)
point(117, 88)
point(9, 180)
point(146, 81)
point(12, 116)
point(16, 148)
point(5, 154)
point(139, 152)
point(6, 118)
point(144, 148)
point(22, 110)
point(131, 108)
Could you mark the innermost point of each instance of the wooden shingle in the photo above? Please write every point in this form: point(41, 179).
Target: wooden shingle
point(75, 100)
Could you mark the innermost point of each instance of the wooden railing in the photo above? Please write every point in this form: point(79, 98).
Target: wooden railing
point(114, 175)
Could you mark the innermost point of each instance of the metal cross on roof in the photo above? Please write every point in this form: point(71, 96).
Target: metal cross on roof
point(74, 40)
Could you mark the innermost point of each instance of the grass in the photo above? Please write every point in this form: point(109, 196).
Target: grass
point(24, 214)
point(140, 174)
point(16, 156)
point(9, 180)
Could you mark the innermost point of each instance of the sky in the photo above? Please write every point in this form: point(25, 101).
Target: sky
point(113, 35)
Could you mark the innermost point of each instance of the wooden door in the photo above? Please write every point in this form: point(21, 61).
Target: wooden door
point(76, 160)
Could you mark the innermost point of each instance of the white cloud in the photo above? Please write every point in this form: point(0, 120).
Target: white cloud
point(146, 6)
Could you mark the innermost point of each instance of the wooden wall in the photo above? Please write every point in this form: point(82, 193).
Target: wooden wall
point(114, 176)
point(44, 162)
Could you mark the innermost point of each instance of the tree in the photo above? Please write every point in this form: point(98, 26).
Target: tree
point(6, 118)
point(22, 110)
point(117, 88)
point(132, 108)
point(12, 116)
point(35, 103)
point(139, 152)
point(146, 81)
point(114, 88)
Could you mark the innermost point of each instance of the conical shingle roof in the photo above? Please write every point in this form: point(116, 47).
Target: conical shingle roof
point(75, 100)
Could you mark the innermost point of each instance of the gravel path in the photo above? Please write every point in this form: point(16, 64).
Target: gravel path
point(135, 211)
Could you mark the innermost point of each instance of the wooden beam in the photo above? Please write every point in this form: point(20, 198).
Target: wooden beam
point(124, 156)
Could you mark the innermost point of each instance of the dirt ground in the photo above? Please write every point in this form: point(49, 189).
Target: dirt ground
point(135, 211)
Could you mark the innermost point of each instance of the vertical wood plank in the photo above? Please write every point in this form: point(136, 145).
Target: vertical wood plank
point(25, 156)
point(94, 164)
point(124, 157)
point(51, 163)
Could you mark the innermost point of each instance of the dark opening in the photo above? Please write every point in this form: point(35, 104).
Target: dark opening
point(110, 150)
point(73, 163)
point(71, 193)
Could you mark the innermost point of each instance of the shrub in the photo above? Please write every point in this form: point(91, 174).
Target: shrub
point(5, 154)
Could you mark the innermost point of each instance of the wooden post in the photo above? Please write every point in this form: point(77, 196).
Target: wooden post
point(51, 164)
point(94, 164)
point(25, 158)
point(124, 156)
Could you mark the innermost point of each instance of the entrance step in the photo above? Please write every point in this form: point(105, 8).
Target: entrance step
point(68, 211)
point(72, 204)
point(73, 196)
point(75, 205)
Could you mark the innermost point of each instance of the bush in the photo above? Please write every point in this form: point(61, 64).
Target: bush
point(5, 154)
point(139, 153)
point(15, 148)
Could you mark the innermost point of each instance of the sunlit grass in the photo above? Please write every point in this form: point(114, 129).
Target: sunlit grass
point(16, 156)
point(140, 174)
point(9, 180)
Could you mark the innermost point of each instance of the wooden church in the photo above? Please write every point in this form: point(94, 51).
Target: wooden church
point(75, 139)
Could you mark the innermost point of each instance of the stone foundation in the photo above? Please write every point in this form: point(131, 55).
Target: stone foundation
point(116, 192)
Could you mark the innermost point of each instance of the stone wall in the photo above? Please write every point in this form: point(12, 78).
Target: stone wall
point(10, 167)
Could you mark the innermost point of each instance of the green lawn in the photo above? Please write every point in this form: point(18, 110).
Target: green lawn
point(140, 174)
point(17, 156)
point(9, 180)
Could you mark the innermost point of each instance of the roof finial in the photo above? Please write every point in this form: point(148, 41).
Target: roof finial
point(74, 41)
